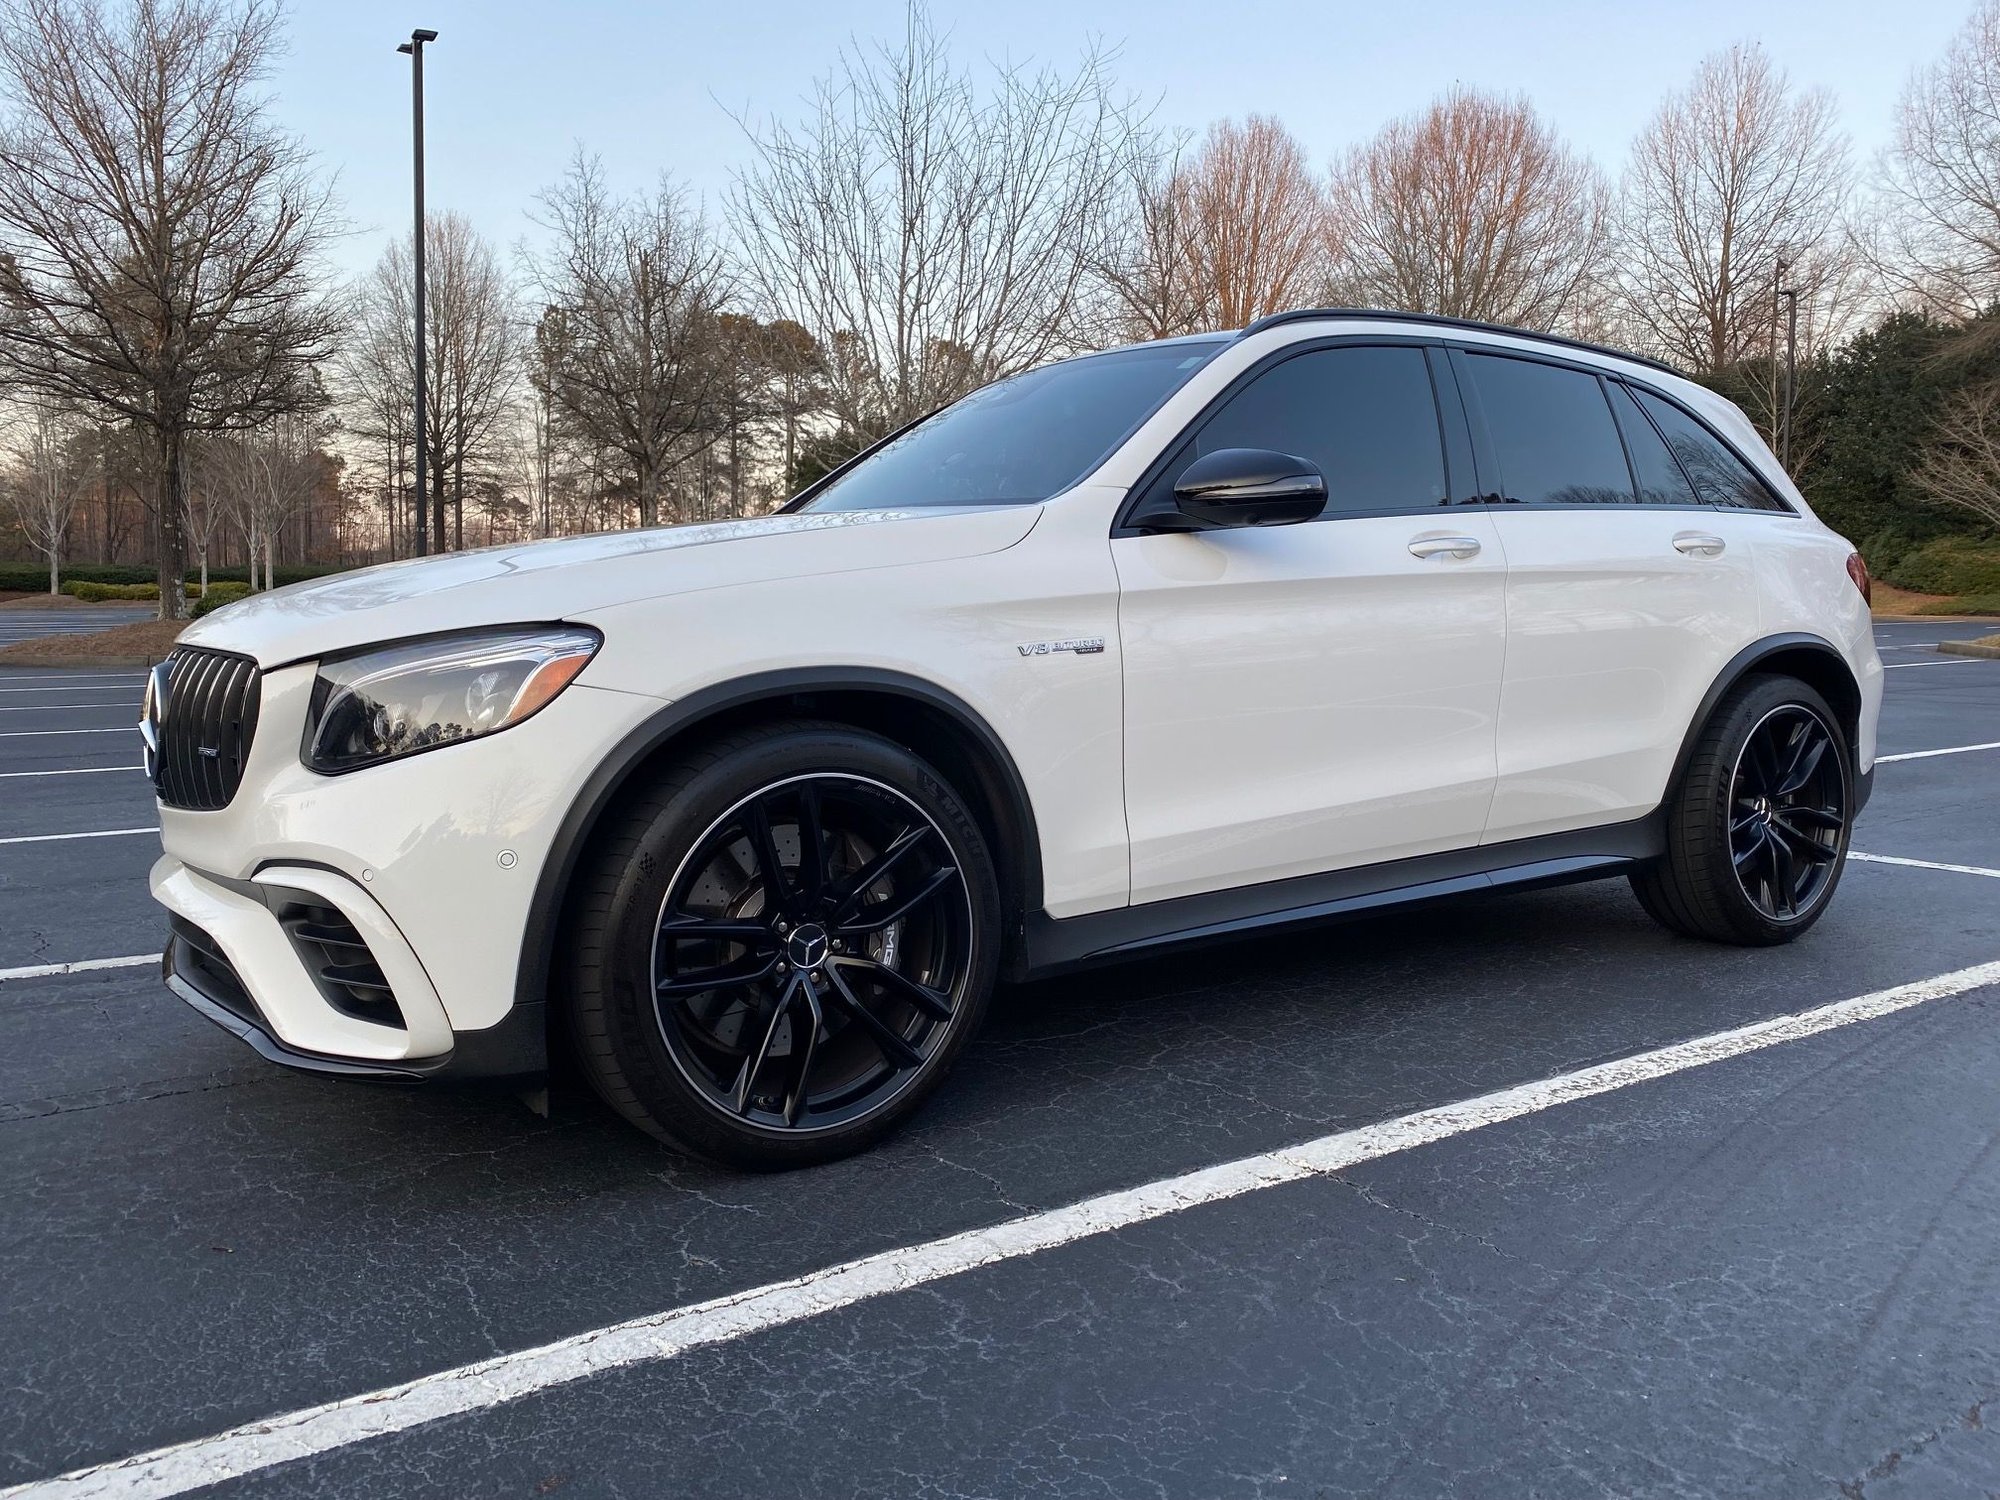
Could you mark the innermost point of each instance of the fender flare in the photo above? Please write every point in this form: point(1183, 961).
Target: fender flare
point(615, 770)
point(1741, 665)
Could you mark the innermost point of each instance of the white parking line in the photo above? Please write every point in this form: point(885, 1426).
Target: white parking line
point(54, 708)
point(22, 734)
point(271, 1441)
point(73, 771)
point(1956, 661)
point(81, 687)
point(1922, 864)
point(81, 966)
point(56, 838)
point(107, 676)
point(1927, 754)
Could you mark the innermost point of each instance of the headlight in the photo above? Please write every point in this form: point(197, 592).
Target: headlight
point(397, 700)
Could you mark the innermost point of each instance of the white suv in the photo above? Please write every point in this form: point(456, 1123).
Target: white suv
point(1185, 640)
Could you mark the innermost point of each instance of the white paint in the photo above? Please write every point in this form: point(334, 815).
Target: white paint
point(1960, 661)
point(57, 708)
point(1922, 864)
point(81, 966)
point(75, 771)
point(23, 734)
point(106, 677)
point(1927, 754)
point(54, 838)
point(77, 687)
point(266, 1443)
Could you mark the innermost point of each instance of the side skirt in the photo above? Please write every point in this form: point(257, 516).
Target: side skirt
point(1057, 944)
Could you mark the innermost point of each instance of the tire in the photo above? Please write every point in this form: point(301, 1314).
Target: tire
point(768, 1033)
point(1747, 862)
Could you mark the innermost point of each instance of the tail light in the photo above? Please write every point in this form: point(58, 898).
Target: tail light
point(1858, 571)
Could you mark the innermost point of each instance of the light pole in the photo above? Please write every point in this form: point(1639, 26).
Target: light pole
point(414, 48)
point(1791, 296)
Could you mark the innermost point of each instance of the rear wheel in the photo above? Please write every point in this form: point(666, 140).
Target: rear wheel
point(1757, 830)
point(782, 946)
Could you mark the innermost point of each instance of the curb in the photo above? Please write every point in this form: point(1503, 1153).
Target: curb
point(1970, 648)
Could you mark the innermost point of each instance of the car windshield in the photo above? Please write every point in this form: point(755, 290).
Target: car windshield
point(1019, 441)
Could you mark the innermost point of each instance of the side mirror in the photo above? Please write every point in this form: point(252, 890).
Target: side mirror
point(1245, 487)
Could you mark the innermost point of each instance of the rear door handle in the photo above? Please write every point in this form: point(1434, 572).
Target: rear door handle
point(1455, 546)
point(1699, 544)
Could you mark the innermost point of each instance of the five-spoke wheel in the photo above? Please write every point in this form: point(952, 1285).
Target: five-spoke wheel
point(1756, 831)
point(783, 945)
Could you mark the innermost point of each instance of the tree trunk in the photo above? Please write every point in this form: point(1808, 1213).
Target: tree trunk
point(54, 585)
point(270, 574)
point(170, 533)
point(204, 570)
point(438, 478)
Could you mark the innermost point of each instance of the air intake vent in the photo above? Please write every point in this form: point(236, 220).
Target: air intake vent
point(339, 959)
point(207, 718)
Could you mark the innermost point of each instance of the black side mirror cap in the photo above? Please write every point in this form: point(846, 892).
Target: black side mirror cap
point(1244, 487)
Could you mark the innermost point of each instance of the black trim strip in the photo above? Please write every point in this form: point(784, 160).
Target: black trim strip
point(1057, 944)
point(1321, 314)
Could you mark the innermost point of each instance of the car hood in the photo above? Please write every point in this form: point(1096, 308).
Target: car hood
point(567, 576)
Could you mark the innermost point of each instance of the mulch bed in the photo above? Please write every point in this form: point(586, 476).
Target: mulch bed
point(138, 644)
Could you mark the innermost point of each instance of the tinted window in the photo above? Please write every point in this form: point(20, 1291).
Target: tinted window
point(1366, 416)
point(1661, 481)
point(1022, 440)
point(1719, 475)
point(1552, 433)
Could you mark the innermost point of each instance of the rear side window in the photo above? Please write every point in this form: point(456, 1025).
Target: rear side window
point(1552, 432)
point(1661, 481)
point(1718, 474)
point(1366, 416)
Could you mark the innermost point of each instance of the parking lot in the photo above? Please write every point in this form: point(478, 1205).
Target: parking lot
point(1774, 1273)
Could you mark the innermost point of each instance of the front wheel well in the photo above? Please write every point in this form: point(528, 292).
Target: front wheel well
point(929, 722)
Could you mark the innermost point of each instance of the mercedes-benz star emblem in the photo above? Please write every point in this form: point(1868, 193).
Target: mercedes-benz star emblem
point(806, 947)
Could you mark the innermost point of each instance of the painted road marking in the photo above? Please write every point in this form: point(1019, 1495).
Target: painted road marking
point(268, 1442)
point(58, 708)
point(22, 734)
point(81, 966)
point(1922, 864)
point(1927, 754)
point(1957, 661)
point(53, 838)
point(74, 771)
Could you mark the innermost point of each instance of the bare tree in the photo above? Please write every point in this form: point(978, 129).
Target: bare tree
point(471, 361)
point(1473, 209)
point(1232, 232)
point(1938, 211)
point(1734, 175)
point(932, 233)
point(1960, 466)
point(160, 233)
point(629, 348)
point(52, 470)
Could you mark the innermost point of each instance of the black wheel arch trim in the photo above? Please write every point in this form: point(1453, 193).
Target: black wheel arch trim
point(613, 773)
point(1748, 661)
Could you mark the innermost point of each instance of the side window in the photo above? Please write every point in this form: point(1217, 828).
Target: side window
point(1365, 415)
point(1719, 475)
point(1552, 433)
point(1661, 481)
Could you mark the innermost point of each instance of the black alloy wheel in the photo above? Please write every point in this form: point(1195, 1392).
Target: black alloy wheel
point(1757, 828)
point(1788, 806)
point(779, 945)
point(811, 951)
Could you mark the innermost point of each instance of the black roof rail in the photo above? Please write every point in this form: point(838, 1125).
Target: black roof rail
point(1310, 314)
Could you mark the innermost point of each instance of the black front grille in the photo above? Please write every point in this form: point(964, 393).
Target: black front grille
point(207, 720)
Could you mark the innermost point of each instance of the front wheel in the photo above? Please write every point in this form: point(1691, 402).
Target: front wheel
point(780, 947)
point(1757, 830)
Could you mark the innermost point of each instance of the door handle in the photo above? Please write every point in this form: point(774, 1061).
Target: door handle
point(1699, 544)
point(1455, 546)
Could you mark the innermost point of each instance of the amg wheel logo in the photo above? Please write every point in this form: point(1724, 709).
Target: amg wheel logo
point(1087, 645)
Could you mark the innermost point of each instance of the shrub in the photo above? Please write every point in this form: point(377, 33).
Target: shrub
point(100, 593)
point(1949, 565)
point(218, 595)
point(33, 577)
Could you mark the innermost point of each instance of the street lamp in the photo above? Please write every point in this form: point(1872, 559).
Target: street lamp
point(414, 49)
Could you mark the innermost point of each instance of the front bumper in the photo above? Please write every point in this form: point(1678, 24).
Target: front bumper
point(301, 965)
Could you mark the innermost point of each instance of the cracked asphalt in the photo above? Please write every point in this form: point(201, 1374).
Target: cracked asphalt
point(1777, 1275)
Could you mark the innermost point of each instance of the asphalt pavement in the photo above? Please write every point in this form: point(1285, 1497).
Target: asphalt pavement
point(1774, 1274)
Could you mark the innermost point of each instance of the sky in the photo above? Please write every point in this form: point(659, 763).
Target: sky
point(512, 88)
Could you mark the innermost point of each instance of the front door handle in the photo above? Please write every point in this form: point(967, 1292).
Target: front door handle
point(1455, 546)
point(1699, 544)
